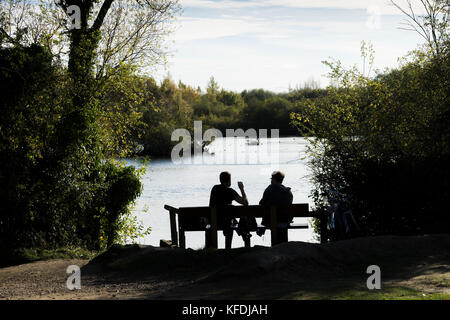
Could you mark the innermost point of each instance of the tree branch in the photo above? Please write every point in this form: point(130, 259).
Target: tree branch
point(101, 15)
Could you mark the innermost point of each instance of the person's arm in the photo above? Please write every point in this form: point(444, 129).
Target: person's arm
point(291, 197)
point(212, 198)
point(243, 198)
point(263, 201)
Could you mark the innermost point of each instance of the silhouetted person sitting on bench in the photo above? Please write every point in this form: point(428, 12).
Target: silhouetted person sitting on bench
point(277, 194)
point(222, 195)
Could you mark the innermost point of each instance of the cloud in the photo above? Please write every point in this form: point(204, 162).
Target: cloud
point(210, 28)
point(257, 17)
point(384, 6)
point(197, 28)
point(269, 43)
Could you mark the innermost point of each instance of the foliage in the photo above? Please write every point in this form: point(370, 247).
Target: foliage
point(131, 31)
point(61, 130)
point(120, 97)
point(50, 198)
point(131, 229)
point(383, 143)
point(168, 106)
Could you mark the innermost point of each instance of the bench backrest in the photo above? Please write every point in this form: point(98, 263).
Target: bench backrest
point(294, 210)
point(190, 217)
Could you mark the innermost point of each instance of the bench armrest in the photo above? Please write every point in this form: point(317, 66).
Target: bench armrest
point(170, 208)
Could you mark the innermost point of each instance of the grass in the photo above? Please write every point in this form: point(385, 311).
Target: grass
point(392, 292)
point(60, 253)
point(26, 255)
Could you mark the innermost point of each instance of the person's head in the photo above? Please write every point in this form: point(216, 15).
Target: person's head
point(277, 177)
point(225, 178)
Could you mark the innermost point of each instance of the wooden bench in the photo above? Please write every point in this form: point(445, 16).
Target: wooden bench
point(190, 219)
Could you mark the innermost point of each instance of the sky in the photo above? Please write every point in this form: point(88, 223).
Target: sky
point(280, 44)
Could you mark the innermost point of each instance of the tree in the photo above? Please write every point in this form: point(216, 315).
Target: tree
point(382, 144)
point(433, 26)
point(212, 87)
point(132, 31)
point(76, 194)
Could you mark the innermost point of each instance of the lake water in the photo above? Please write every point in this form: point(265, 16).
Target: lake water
point(185, 185)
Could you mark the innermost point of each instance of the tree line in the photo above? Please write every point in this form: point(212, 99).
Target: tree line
point(169, 106)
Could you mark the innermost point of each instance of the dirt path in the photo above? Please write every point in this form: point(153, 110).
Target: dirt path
point(413, 267)
point(47, 280)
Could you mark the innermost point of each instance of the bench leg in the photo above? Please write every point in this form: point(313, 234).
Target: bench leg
point(228, 238)
point(208, 239)
point(182, 238)
point(213, 231)
point(282, 235)
point(323, 228)
point(273, 226)
point(173, 228)
point(247, 242)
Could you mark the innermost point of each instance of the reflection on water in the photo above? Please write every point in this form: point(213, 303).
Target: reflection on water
point(185, 185)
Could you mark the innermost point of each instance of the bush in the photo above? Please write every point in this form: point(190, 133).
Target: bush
point(383, 143)
point(57, 187)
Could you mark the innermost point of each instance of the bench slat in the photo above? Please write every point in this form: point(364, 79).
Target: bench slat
point(296, 210)
point(298, 226)
point(291, 226)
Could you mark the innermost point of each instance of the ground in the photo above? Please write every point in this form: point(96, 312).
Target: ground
point(411, 268)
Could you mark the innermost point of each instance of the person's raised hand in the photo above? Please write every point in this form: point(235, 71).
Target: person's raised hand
point(240, 185)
